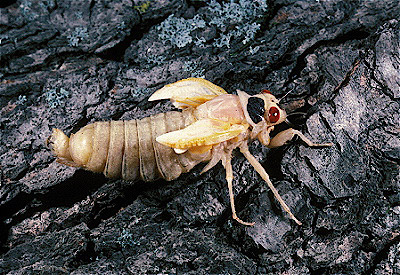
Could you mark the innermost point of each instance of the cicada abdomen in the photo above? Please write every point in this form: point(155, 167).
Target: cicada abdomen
point(127, 149)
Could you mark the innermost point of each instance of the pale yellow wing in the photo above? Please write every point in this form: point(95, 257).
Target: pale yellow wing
point(190, 92)
point(202, 132)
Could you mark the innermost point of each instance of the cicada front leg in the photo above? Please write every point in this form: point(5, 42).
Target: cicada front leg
point(261, 171)
point(283, 137)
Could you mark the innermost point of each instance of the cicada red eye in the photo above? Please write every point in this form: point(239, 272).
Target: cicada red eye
point(273, 114)
point(266, 91)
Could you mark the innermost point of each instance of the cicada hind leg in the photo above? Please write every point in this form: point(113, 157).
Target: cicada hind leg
point(261, 171)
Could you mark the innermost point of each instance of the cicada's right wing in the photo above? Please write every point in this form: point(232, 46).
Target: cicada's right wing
point(190, 92)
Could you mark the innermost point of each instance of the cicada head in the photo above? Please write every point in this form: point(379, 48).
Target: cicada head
point(273, 113)
point(261, 109)
point(262, 113)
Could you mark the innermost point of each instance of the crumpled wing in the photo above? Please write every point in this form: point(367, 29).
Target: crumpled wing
point(190, 92)
point(201, 133)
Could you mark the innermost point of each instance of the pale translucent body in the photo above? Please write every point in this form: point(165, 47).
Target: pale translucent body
point(211, 125)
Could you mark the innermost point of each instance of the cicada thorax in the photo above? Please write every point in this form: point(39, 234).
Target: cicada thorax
point(128, 149)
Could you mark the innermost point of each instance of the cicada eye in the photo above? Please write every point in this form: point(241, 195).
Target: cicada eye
point(255, 109)
point(273, 115)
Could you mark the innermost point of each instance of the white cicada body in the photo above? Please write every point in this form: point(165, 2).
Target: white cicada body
point(211, 124)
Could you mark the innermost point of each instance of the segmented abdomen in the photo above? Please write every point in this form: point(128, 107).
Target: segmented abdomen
point(128, 149)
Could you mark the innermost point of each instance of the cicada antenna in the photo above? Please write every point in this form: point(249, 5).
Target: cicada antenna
point(285, 95)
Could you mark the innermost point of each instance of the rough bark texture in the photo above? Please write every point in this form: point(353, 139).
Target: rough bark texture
point(67, 63)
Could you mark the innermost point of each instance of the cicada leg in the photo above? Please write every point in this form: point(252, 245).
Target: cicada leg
point(229, 178)
point(261, 171)
point(281, 138)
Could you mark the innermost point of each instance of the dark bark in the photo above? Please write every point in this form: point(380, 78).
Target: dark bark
point(67, 63)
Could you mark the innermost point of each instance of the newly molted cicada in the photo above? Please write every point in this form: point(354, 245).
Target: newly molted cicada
point(211, 124)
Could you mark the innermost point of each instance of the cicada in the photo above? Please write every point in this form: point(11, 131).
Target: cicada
point(210, 124)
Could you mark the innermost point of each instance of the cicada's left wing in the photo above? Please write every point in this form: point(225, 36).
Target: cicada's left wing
point(190, 92)
point(200, 136)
